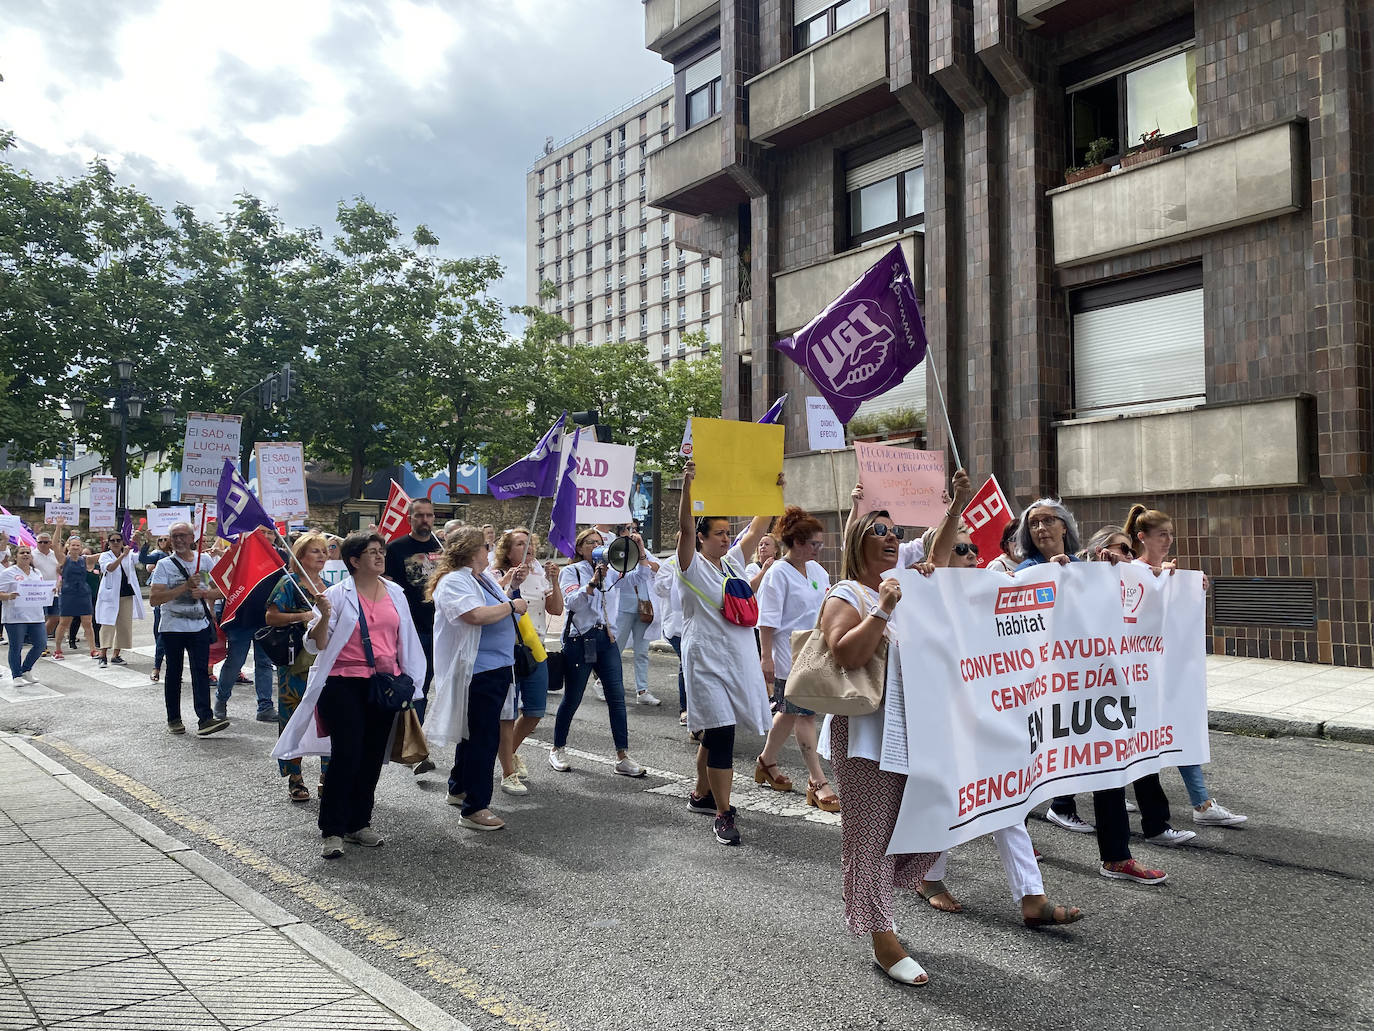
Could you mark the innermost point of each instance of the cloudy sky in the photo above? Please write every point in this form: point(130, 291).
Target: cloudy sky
point(431, 110)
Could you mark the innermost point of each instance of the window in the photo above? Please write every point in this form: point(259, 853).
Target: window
point(620, 171)
point(643, 269)
point(49, 481)
point(643, 323)
point(643, 240)
point(816, 19)
point(701, 89)
point(681, 314)
point(886, 194)
point(681, 281)
point(705, 275)
point(1139, 94)
point(1161, 316)
point(622, 332)
point(665, 292)
point(667, 319)
point(643, 185)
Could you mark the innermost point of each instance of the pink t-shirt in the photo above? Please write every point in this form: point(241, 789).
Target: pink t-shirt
point(383, 629)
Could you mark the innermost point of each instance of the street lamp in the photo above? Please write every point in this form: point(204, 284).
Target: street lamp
point(76, 408)
point(126, 404)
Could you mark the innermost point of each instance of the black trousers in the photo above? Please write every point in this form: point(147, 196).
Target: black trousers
point(474, 759)
point(180, 647)
point(1113, 824)
point(358, 734)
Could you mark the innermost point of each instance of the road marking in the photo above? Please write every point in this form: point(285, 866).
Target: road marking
point(745, 794)
point(12, 690)
point(435, 964)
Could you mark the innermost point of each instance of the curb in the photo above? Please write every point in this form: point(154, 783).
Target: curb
point(1259, 725)
point(404, 1002)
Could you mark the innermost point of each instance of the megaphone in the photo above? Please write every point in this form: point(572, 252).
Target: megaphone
point(622, 555)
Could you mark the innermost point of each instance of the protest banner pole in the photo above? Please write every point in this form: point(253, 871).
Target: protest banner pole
point(534, 519)
point(839, 504)
point(291, 555)
point(949, 429)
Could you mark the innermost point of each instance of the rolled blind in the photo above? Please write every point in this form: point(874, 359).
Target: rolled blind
point(699, 74)
point(1128, 355)
point(878, 169)
point(804, 10)
point(910, 393)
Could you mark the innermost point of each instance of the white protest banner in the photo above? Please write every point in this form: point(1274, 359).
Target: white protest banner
point(824, 432)
point(908, 484)
point(210, 439)
point(35, 592)
point(160, 520)
point(281, 479)
point(68, 512)
point(1062, 679)
point(604, 475)
point(102, 510)
point(10, 525)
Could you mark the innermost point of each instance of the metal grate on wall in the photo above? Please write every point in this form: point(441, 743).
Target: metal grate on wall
point(1264, 601)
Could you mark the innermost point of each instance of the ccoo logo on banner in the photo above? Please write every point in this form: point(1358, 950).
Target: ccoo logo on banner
point(1070, 678)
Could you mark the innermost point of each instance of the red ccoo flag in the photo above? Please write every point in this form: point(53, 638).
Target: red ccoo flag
point(250, 560)
point(396, 519)
point(986, 515)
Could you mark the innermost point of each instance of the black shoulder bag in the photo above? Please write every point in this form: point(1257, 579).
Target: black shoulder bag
point(390, 692)
point(524, 660)
point(282, 644)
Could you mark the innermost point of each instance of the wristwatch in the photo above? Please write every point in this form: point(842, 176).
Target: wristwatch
point(886, 617)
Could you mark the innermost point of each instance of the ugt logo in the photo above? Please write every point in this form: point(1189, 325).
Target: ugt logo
point(855, 349)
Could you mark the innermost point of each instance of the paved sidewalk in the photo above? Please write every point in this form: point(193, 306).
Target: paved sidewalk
point(107, 922)
point(1273, 697)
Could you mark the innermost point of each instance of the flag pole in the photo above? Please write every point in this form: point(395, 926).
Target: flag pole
point(839, 504)
point(534, 519)
point(944, 410)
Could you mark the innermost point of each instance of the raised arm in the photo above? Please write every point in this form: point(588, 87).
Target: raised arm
point(687, 535)
point(948, 529)
point(855, 496)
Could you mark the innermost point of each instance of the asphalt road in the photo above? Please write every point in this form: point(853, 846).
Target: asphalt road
point(606, 904)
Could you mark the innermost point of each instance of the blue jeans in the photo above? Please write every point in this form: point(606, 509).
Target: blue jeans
point(629, 630)
point(532, 693)
point(576, 671)
point(239, 640)
point(1196, 784)
point(18, 633)
point(676, 642)
point(158, 650)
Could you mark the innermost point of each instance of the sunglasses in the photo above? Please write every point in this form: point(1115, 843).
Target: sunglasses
point(963, 549)
point(882, 530)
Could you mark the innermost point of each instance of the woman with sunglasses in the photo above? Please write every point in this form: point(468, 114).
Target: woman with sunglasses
point(790, 600)
point(118, 602)
point(1150, 536)
point(725, 685)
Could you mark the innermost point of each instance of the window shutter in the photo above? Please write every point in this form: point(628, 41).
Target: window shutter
point(877, 170)
point(1131, 354)
point(804, 10)
point(910, 393)
point(699, 74)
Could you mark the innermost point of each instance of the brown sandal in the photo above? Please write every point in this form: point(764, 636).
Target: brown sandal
point(295, 787)
point(932, 890)
point(821, 802)
point(1054, 915)
point(768, 773)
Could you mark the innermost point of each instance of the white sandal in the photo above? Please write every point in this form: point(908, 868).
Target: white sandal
point(905, 971)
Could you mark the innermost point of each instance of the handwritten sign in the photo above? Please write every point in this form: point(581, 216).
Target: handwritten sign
point(603, 476)
point(906, 483)
point(281, 480)
point(62, 512)
point(102, 503)
point(35, 592)
point(824, 431)
point(160, 520)
point(737, 468)
point(210, 439)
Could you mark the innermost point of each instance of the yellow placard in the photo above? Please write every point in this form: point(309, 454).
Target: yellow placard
point(737, 468)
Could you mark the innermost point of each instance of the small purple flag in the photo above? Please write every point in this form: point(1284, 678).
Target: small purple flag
point(775, 413)
point(563, 519)
point(535, 475)
point(127, 530)
point(866, 340)
point(237, 509)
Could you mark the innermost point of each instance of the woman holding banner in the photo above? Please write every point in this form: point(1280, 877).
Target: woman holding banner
point(725, 685)
point(119, 601)
point(296, 600)
point(1150, 534)
point(790, 600)
point(24, 620)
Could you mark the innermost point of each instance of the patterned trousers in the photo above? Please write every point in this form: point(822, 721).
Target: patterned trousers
point(290, 688)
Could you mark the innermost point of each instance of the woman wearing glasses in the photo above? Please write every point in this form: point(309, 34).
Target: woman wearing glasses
point(789, 600)
point(355, 731)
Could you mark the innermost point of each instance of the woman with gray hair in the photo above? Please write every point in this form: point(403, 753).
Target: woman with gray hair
point(1047, 532)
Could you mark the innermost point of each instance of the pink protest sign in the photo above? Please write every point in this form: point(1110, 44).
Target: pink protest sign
point(908, 484)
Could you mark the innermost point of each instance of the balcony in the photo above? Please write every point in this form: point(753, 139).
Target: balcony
point(800, 293)
point(669, 22)
point(838, 81)
point(1206, 189)
point(689, 176)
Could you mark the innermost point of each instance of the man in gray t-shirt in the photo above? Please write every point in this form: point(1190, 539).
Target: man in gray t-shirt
point(180, 584)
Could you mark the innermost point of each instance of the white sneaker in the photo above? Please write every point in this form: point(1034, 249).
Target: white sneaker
point(1170, 837)
point(645, 698)
point(511, 785)
point(366, 837)
point(521, 770)
point(331, 847)
point(598, 692)
point(627, 767)
point(1217, 815)
point(1131, 807)
point(1071, 822)
point(559, 760)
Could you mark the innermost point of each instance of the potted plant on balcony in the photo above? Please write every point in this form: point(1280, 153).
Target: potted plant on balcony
point(1095, 161)
point(904, 426)
point(1152, 145)
point(867, 428)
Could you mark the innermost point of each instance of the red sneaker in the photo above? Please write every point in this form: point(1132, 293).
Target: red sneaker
point(1130, 870)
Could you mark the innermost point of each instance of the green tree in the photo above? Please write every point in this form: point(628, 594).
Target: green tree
point(690, 388)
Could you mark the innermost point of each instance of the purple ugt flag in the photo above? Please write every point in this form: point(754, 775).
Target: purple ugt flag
point(127, 530)
point(238, 509)
point(535, 475)
point(866, 340)
point(775, 413)
point(563, 520)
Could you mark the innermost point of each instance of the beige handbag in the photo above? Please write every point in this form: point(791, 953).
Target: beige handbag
point(819, 683)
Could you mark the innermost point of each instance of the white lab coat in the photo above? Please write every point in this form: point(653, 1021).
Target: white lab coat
point(107, 598)
point(301, 734)
point(455, 655)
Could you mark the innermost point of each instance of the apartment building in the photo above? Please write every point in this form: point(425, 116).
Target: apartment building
point(617, 268)
point(1187, 322)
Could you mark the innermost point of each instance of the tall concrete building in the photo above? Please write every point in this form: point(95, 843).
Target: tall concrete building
point(617, 268)
point(1186, 323)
